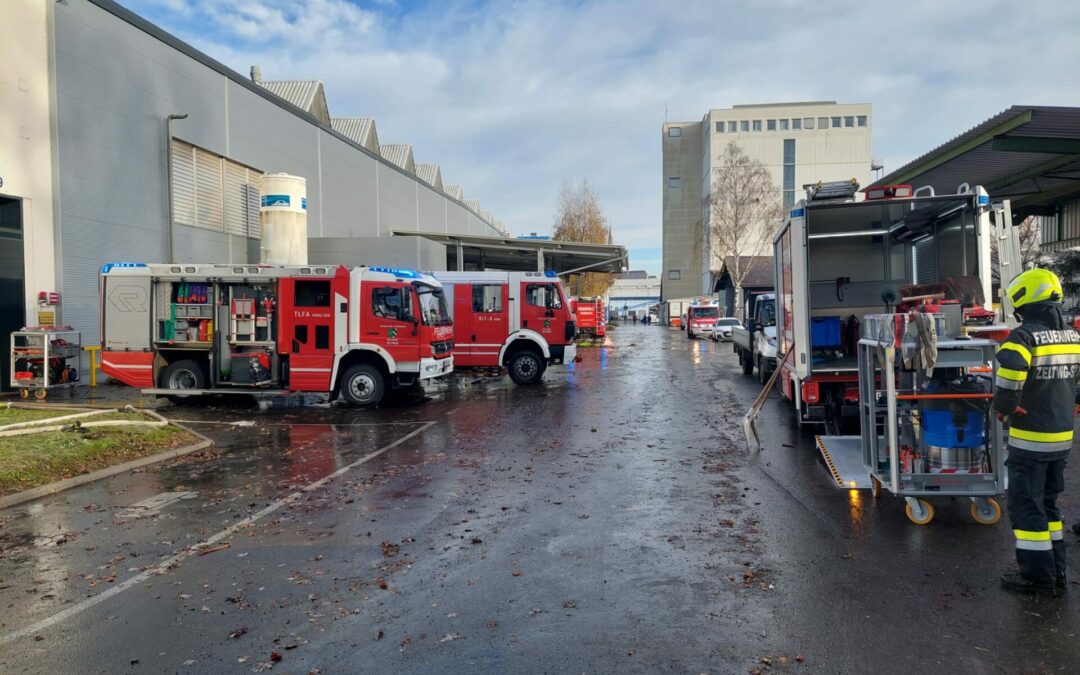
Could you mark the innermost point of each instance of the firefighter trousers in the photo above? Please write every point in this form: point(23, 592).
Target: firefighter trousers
point(1034, 486)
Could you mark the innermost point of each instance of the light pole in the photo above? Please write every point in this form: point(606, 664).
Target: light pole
point(169, 180)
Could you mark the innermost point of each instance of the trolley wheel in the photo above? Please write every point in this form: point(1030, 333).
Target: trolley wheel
point(24, 393)
point(986, 511)
point(922, 513)
point(875, 487)
point(40, 394)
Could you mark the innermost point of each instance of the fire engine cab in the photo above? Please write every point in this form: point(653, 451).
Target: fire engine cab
point(517, 320)
point(700, 318)
point(189, 329)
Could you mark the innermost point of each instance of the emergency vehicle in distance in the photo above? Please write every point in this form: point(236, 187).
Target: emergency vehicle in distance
point(189, 329)
point(590, 315)
point(700, 318)
point(520, 321)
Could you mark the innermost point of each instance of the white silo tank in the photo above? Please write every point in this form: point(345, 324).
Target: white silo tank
point(283, 215)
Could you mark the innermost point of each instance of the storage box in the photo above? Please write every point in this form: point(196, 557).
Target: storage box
point(825, 331)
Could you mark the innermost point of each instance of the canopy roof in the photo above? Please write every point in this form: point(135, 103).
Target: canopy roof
point(508, 253)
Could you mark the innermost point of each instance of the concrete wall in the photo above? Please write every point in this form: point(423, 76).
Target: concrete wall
point(26, 147)
point(411, 252)
point(115, 84)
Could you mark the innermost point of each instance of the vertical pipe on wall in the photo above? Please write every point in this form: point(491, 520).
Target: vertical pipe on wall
point(169, 183)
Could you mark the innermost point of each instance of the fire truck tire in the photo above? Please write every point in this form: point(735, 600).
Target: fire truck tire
point(526, 367)
point(363, 385)
point(183, 374)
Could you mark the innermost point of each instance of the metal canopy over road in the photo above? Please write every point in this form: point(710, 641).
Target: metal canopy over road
point(507, 253)
point(1029, 154)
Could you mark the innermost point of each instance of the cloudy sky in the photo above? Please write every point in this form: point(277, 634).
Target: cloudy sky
point(515, 97)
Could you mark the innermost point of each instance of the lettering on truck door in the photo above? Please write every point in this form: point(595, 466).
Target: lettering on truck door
point(392, 322)
point(307, 332)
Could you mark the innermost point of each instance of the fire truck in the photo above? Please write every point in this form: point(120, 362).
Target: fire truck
point(700, 318)
point(520, 321)
point(838, 260)
point(184, 330)
point(590, 316)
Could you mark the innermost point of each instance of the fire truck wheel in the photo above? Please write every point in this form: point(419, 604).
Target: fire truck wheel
point(526, 367)
point(183, 374)
point(363, 385)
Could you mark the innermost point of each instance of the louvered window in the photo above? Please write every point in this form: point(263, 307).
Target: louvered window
point(214, 193)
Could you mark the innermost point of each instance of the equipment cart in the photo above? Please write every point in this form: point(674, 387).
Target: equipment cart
point(40, 360)
point(928, 429)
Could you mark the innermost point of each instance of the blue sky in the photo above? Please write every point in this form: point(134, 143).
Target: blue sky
point(512, 98)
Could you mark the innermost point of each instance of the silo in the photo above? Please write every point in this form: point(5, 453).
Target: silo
point(283, 215)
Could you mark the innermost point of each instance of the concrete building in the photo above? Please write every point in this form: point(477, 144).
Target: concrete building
point(799, 143)
point(110, 126)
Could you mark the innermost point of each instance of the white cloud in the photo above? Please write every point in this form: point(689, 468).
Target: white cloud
point(512, 98)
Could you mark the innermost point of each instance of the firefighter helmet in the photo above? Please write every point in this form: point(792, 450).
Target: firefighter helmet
point(1035, 285)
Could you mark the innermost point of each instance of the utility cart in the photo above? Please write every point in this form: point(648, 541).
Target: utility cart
point(928, 429)
point(41, 360)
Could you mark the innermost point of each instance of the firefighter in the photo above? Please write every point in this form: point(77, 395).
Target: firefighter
point(1036, 391)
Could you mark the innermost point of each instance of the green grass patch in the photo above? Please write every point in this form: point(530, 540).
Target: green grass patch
point(37, 459)
point(13, 415)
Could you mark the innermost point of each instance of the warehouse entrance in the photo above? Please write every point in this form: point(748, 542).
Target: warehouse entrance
point(12, 280)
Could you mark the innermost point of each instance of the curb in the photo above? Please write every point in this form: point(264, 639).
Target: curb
point(109, 471)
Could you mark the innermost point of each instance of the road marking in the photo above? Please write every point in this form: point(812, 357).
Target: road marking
point(175, 560)
point(152, 506)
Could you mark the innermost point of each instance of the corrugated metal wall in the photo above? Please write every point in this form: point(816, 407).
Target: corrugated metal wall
point(1062, 232)
point(116, 85)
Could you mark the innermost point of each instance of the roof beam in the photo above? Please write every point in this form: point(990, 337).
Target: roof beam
point(1056, 146)
point(985, 137)
point(1048, 196)
point(1032, 172)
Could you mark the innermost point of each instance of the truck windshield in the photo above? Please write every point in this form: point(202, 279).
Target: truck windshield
point(705, 312)
point(433, 310)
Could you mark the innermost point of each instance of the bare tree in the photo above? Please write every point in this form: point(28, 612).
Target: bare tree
point(1030, 235)
point(744, 211)
point(580, 218)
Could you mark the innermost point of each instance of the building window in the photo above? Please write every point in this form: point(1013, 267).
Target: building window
point(849, 121)
point(789, 172)
point(719, 127)
point(214, 193)
point(744, 125)
point(770, 125)
point(674, 132)
point(823, 123)
point(674, 182)
point(783, 125)
point(757, 125)
point(808, 123)
point(731, 127)
point(674, 275)
point(862, 120)
point(796, 124)
point(836, 123)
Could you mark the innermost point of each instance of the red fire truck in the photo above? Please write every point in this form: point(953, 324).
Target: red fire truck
point(517, 320)
point(590, 316)
point(700, 318)
point(190, 329)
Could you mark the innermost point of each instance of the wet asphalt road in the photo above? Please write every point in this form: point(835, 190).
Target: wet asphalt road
point(607, 521)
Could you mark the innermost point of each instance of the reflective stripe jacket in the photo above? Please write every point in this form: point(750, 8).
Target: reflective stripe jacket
point(1037, 371)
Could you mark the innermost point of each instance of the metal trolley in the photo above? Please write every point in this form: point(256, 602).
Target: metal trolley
point(913, 450)
point(40, 360)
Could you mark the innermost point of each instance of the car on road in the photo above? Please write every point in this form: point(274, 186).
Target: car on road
point(721, 330)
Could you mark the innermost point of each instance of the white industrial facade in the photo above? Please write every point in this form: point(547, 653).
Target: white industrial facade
point(799, 143)
point(87, 146)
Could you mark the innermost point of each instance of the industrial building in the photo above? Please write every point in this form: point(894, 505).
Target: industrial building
point(120, 142)
point(799, 143)
point(633, 294)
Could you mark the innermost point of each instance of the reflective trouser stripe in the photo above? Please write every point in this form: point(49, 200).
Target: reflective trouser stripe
point(1002, 383)
point(1036, 446)
point(1057, 530)
point(1035, 545)
point(1033, 541)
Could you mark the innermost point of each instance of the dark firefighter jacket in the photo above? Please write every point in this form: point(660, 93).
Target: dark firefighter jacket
point(1037, 373)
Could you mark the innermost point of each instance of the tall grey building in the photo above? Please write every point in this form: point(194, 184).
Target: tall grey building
point(799, 143)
